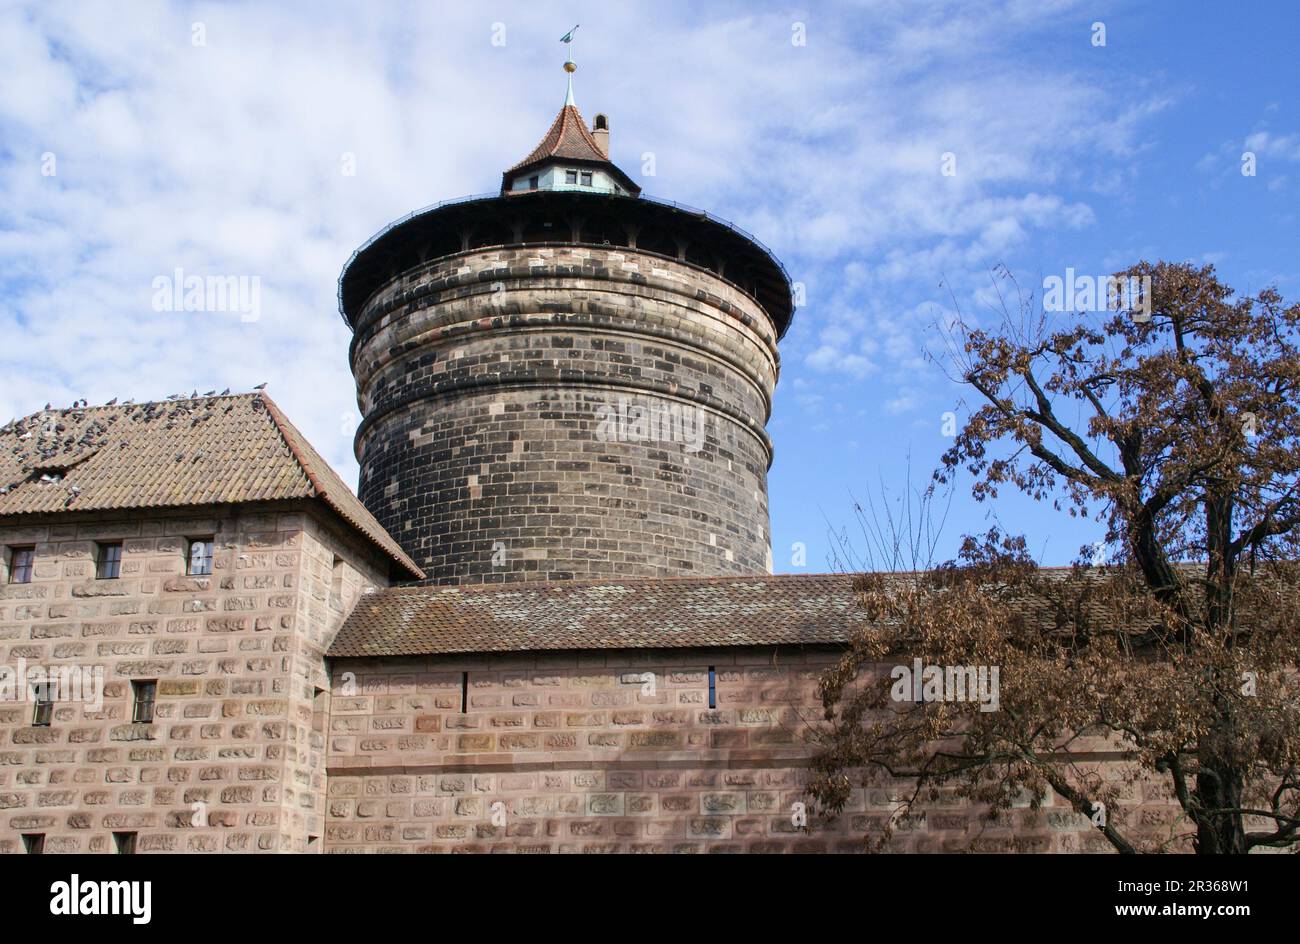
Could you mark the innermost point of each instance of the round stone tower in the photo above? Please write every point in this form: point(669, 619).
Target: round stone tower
point(567, 380)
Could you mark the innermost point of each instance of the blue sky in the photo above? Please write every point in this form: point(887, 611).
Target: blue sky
point(225, 158)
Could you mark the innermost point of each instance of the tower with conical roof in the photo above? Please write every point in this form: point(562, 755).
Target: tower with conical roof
point(570, 157)
point(569, 379)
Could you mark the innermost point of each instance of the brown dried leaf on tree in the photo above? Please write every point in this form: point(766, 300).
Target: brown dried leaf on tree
point(1180, 434)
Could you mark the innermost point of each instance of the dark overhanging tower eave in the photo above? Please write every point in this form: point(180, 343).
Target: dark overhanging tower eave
point(438, 231)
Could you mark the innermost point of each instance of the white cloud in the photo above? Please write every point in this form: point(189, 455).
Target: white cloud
point(1286, 147)
point(225, 159)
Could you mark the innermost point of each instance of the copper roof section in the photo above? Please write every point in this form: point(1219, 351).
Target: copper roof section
point(174, 453)
point(569, 139)
point(789, 609)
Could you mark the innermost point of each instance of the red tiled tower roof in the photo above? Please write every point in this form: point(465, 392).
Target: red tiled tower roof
point(569, 140)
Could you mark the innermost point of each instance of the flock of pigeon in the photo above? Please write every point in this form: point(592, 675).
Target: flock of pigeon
point(45, 443)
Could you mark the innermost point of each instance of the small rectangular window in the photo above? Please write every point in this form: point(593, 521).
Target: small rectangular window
point(713, 688)
point(124, 843)
point(34, 843)
point(532, 182)
point(570, 176)
point(21, 560)
point(199, 559)
point(108, 561)
point(43, 711)
point(142, 699)
point(586, 178)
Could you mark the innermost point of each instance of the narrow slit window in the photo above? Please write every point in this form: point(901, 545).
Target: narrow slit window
point(336, 579)
point(34, 843)
point(21, 560)
point(319, 709)
point(199, 560)
point(464, 692)
point(44, 709)
point(124, 843)
point(713, 687)
point(108, 562)
point(143, 694)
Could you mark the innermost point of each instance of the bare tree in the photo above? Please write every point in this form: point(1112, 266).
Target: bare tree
point(1174, 423)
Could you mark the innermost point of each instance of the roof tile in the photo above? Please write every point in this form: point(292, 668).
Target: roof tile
point(193, 451)
point(675, 612)
point(567, 139)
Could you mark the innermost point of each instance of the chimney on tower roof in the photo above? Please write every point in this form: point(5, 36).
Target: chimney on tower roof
point(600, 131)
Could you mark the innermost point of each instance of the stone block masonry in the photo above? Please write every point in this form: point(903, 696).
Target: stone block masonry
point(483, 376)
point(233, 760)
point(620, 751)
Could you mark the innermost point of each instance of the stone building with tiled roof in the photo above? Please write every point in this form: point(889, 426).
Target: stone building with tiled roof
point(545, 622)
point(181, 453)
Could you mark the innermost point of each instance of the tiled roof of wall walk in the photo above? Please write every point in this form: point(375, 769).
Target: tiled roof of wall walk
point(202, 450)
point(675, 612)
point(667, 613)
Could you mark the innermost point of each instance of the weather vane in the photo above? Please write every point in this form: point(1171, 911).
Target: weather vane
point(569, 65)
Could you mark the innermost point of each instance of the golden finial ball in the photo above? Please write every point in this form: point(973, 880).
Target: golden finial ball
point(570, 67)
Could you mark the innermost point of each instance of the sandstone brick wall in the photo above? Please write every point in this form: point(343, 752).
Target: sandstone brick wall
point(238, 659)
point(481, 376)
point(325, 599)
point(570, 753)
